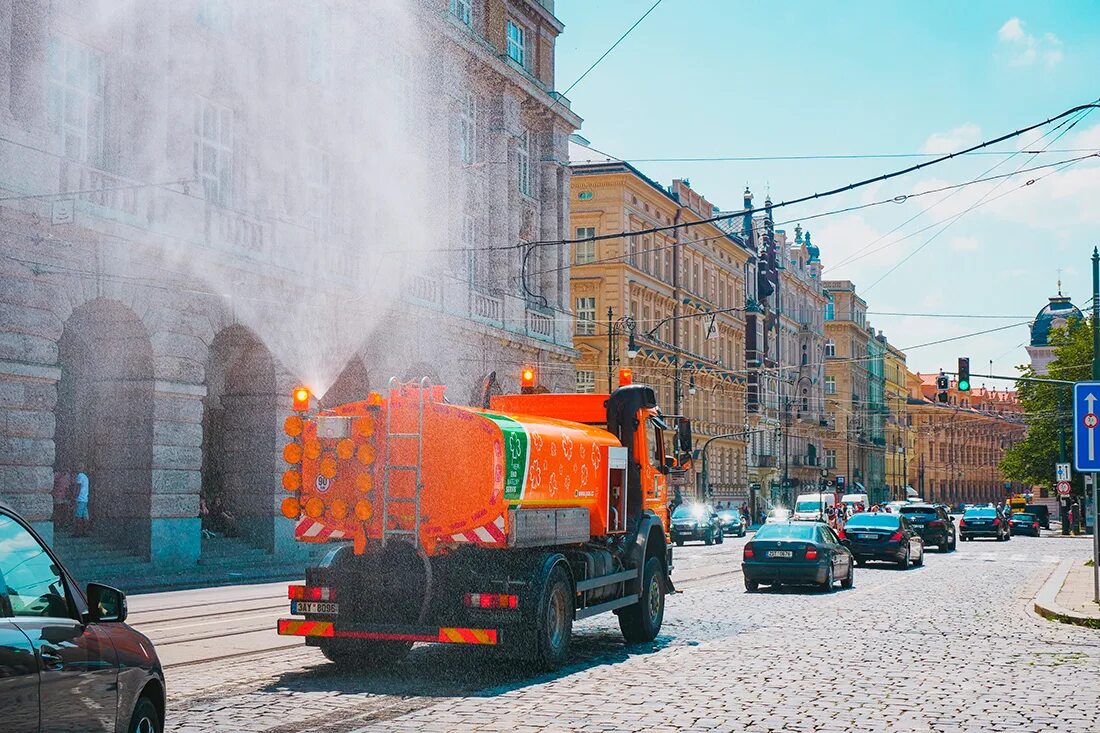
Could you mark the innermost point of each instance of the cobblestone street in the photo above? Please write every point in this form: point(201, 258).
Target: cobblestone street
point(951, 646)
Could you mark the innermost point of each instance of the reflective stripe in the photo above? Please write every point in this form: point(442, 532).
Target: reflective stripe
point(298, 627)
point(468, 636)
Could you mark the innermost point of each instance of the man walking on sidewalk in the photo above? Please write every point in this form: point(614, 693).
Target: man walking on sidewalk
point(81, 491)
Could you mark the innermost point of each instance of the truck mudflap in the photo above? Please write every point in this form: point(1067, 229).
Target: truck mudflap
point(435, 634)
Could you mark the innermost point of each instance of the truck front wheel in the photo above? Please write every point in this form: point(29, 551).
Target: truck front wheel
point(642, 621)
point(555, 621)
point(365, 654)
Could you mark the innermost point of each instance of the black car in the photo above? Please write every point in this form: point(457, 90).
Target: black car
point(732, 522)
point(1024, 523)
point(67, 659)
point(984, 522)
point(696, 522)
point(881, 536)
point(933, 524)
point(797, 553)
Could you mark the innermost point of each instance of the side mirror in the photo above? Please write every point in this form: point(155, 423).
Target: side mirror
point(683, 435)
point(670, 462)
point(106, 604)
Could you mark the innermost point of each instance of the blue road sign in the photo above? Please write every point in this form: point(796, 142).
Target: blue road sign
point(1086, 427)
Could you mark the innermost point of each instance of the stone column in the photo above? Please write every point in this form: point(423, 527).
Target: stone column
point(28, 394)
point(175, 531)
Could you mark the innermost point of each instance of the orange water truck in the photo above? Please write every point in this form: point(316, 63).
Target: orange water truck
point(495, 525)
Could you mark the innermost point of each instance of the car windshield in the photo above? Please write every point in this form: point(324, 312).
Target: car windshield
point(872, 520)
point(983, 513)
point(807, 531)
point(918, 510)
point(810, 505)
point(689, 511)
point(729, 514)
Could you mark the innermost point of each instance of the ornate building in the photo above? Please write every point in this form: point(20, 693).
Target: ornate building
point(1055, 314)
point(678, 296)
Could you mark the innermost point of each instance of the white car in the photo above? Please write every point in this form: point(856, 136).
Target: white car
point(778, 515)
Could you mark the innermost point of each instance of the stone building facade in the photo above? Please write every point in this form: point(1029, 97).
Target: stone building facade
point(201, 208)
point(683, 292)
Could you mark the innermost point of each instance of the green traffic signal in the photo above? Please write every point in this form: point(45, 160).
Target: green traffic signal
point(964, 386)
point(964, 374)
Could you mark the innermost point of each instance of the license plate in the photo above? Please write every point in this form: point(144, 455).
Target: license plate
point(780, 553)
point(866, 536)
point(323, 608)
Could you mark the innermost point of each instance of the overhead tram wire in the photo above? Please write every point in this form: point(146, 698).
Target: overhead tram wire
point(605, 54)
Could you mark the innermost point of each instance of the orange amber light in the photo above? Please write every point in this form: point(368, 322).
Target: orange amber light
point(292, 480)
point(292, 453)
point(328, 467)
point(338, 509)
point(365, 427)
point(363, 510)
point(344, 449)
point(366, 455)
point(364, 483)
point(292, 426)
point(315, 507)
point(291, 508)
point(374, 399)
point(301, 399)
point(313, 449)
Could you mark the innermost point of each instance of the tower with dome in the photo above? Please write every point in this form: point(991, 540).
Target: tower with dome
point(1055, 314)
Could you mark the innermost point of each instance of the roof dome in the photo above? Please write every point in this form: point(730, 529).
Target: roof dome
point(812, 249)
point(1055, 314)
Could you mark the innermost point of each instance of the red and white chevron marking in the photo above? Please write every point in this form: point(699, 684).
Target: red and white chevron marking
point(487, 534)
point(311, 530)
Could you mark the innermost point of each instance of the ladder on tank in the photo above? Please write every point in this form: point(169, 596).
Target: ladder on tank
point(390, 468)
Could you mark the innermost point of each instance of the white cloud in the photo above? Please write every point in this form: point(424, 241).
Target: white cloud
point(1020, 48)
point(965, 244)
point(958, 138)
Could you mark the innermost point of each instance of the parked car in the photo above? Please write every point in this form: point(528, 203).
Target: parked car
point(732, 522)
point(696, 522)
point(1041, 512)
point(1024, 523)
point(68, 661)
point(984, 521)
point(798, 553)
point(933, 524)
point(881, 536)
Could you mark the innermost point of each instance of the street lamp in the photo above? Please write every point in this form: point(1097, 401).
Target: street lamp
point(615, 328)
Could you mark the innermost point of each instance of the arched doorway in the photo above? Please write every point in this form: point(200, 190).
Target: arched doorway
point(104, 418)
point(239, 446)
point(352, 385)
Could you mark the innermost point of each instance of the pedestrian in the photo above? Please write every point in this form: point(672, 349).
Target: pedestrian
point(82, 493)
point(62, 498)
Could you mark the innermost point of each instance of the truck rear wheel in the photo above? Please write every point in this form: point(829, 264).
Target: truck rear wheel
point(642, 621)
point(555, 620)
point(366, 653)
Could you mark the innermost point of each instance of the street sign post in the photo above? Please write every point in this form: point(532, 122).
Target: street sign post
point(1086, 442)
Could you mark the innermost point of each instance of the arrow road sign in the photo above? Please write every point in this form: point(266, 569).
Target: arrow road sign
point(1086, 452)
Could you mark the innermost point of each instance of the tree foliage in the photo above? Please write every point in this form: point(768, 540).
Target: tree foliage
point(1049, 407)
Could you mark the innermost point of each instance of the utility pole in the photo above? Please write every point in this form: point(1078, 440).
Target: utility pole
point(610, 350)
point(1095, 377)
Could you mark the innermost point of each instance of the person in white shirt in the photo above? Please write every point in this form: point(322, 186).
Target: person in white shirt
point(80, 484)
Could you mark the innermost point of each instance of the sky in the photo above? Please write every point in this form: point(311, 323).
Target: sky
point(726, 78)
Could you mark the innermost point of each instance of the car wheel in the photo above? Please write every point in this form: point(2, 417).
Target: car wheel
point(642, 621)
point(679, 543)
point(903, 563)
point(751, 585)
point(708, 539)
point(860, 562)
point(827, 586)
point(920, 558)
point(849, 579)
point(145, 719)
point(555, 620)
point(721, 536)
point(954, 544)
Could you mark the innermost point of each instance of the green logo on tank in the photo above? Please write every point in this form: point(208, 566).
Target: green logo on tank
point(517, 452)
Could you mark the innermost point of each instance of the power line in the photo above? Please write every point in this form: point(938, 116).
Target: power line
point(938, 315)
point(605, 53)
point(819, 156)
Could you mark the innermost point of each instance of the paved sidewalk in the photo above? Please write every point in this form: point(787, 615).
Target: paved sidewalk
point(1068, 595)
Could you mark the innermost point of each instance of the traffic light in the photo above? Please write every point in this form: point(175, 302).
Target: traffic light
point(964, 374)
point(942, 385)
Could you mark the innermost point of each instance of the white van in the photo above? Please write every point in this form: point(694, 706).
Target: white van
point(850, 500)
point(812, 506)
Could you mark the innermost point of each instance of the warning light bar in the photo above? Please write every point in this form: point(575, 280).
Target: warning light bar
point(490, 600)
point(301, 399)
point(310, 593)
point(626, 377)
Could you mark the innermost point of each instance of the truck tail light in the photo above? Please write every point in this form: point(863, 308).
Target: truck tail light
point(490, 600)
point(811, 553)
point(748, 551)
point(310, 593)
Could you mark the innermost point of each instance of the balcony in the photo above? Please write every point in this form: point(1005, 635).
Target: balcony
point(229, 229)
point(486, 308)
point(540, 325)
point(102, 191)
point(425, 288)
point(765, 461)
